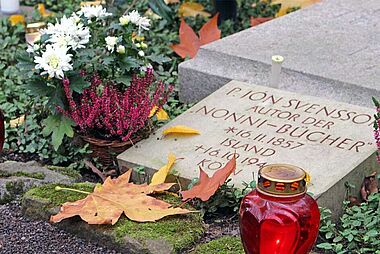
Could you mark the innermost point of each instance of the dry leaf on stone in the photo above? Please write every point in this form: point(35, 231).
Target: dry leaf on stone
point(180, 129)
point(207, 186)
point(189, 41)
point(161, 174)
point(161, 114)
point(192, 9)
point(258, 21)
point(117, 196)
point(287, 4)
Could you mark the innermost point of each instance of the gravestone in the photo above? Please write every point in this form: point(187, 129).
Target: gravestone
point(332, 141)
point(331, 50)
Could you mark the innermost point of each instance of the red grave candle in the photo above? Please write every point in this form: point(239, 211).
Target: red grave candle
point(278, 217)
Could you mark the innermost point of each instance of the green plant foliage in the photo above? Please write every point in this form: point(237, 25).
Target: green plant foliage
point(226, 200)
point(358, 230)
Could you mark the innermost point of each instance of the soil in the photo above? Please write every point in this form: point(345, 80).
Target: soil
point(19, 235)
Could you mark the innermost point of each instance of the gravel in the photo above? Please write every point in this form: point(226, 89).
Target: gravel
point(19, 235)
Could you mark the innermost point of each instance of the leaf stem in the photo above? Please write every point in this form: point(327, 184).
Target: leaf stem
point(58, 188)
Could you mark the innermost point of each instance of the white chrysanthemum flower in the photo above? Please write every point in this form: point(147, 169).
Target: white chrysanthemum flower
point(68, 33)
point(144, 23)
point(141, 53)
point(111, 42)
point(134, 17)
point(120, 49)
point(93, 12)
point(54, 61)
point(124, 20)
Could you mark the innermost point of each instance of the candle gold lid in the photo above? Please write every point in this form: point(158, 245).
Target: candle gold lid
point(282, 180)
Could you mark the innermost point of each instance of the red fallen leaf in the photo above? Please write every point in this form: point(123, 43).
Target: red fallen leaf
point(2, 131)
point(258, 21)
point(190, 42)
point(207, 186)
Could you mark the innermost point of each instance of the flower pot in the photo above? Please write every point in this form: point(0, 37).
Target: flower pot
point(106, 151)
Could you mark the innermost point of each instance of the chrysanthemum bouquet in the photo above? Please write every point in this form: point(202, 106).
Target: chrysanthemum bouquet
point(61, 66)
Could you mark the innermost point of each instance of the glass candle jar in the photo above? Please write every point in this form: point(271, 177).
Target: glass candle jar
point(278, 217)
point(10, 6)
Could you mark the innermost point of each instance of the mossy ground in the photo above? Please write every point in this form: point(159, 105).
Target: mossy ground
point(57, 198)
point(36, 175)
point(67, 171)
point(223, 245)
point(180, 231)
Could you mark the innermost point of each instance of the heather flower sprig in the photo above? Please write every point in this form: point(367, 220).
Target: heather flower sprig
point(115, 114)
point(376, 127)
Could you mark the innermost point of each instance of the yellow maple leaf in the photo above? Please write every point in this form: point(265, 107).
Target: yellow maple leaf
point(108, 202)
point(161, 114)
point(16, 122)
point(161, 174)
point(17, 19)
point(180, 129)
point(42, 10)
point(287, 4)
point(192, 10)
point(307, 178)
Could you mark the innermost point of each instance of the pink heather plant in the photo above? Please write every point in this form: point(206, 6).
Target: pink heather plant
point(112, 114)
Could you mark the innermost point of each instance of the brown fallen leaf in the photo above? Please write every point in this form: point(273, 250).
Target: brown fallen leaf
point(190, 42)
point(180, 129)
point(109, 201)
point(207, 186)
point(369, 186)
point(258, 21)
point(192, 9)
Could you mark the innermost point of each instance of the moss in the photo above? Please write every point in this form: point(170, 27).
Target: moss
point(56, 198)
point(67, 171)
point(180, 231)
point(35, 175)
point(225, 245)
point(14, 188)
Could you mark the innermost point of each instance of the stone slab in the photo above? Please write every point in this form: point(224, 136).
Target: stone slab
point(18, 177)
point(331, 140)
point(331, 50)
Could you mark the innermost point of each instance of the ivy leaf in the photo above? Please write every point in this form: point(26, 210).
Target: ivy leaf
point(325, 246)
point(58, 126)
point(160, 59)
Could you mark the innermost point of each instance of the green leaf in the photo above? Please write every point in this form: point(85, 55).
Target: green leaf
point(38, 87)
point(161, 9)
point(159, 58)
point(376, 102)
point(78, 83)
point(325, 246)
point(58, 126)
point(125, 79)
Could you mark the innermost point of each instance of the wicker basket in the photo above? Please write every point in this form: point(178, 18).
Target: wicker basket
point(106, 151)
